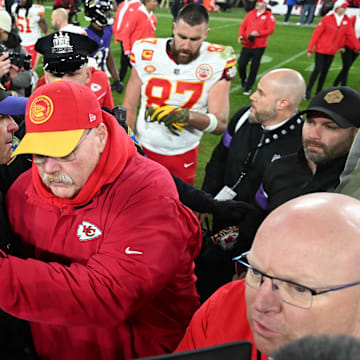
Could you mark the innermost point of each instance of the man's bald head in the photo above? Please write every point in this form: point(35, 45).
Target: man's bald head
point(59, 19)
point(316, 219)
point(277, 97)
point(289, 84)
point(313, 241)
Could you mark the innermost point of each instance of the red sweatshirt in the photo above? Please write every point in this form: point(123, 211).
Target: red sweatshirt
point(221, 319)
point(99, 84)
point(327, 37)
point(264, 24)
point(140, 25)
point(125, 8)
point(112, 276)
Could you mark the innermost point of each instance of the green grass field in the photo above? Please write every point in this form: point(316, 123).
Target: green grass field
point(286, 48)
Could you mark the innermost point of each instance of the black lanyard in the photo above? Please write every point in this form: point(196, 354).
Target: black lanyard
point(250, 159)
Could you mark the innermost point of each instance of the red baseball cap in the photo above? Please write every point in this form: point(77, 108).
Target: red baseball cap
point(56, 116)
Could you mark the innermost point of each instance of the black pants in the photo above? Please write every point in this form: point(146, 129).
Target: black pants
point(124, 64)
point(255, 56)
point(348, 58)
point(288, 13)
point(322, 66)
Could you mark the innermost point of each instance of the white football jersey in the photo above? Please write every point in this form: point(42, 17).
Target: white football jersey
point(29, 28)
point(181, 85)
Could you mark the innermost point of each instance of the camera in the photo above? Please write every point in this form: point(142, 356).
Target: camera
point(120, 114)
point(251, 38)
point(20, 60)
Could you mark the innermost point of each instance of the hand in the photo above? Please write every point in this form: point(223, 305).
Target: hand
point(14, 71)
point(118, 86)
point(173, 118)
point(254, 33)
point(201, 216)
point(240, 39)
point(4, 64)
point(342, 50)
point(233, 210)
point(308, 54)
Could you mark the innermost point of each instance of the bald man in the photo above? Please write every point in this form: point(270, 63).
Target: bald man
point(60, 22)
point(258, 133)
point(302, 277)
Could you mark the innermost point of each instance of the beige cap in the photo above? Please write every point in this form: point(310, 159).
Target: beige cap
point(5, 21)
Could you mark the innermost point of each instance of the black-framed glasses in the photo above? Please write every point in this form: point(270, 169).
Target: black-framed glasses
point(288, 291)
point(41, 159)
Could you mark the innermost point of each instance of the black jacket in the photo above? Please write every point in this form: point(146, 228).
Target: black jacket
point(290, 177)
point(15, 336)
point(250, 149)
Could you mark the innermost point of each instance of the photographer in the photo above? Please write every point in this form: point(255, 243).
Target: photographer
point(15, 71)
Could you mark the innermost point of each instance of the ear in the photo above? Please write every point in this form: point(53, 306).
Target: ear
point(174, 27)
point(47, 77)
point(206, 33)
point(282, 103)
point(88, 73)
point(102, 135)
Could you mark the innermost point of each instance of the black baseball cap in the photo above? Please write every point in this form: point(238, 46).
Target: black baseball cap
point(340, 103)
point(65, 52)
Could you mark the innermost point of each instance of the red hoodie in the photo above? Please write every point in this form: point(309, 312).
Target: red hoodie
point(264, 24)
point(108, 274)
point(328, 38)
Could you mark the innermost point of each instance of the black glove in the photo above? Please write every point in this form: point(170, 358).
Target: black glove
point(118, 86)
point(234, 211)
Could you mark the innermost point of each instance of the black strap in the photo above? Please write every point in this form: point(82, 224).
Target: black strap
point(258, 355)
point(250, 159)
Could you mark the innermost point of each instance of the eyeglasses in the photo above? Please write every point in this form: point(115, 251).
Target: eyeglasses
point(288, 291)
point(41, 159)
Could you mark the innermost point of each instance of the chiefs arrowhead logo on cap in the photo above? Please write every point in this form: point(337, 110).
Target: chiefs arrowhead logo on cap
point(334, 97)
point(41, 109)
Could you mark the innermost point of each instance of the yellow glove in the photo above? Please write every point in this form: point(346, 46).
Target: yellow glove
point(173, 118)
point(153, 114)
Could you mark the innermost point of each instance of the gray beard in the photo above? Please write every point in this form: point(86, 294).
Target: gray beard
point(260, 118)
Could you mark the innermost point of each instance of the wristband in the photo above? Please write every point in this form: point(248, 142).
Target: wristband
point(212, 124)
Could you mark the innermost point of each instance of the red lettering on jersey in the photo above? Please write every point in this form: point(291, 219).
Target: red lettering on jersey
point(164, 88)
point(216, 48)
point(195, 88)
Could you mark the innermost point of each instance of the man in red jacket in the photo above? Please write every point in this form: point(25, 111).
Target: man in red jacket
point(333, 32)
point(302, 278)
point(124, 10)
point(254, 31)
point(141, 24)
point(108, 246)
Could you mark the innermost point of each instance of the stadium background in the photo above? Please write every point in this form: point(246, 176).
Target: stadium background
point(286, 48)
